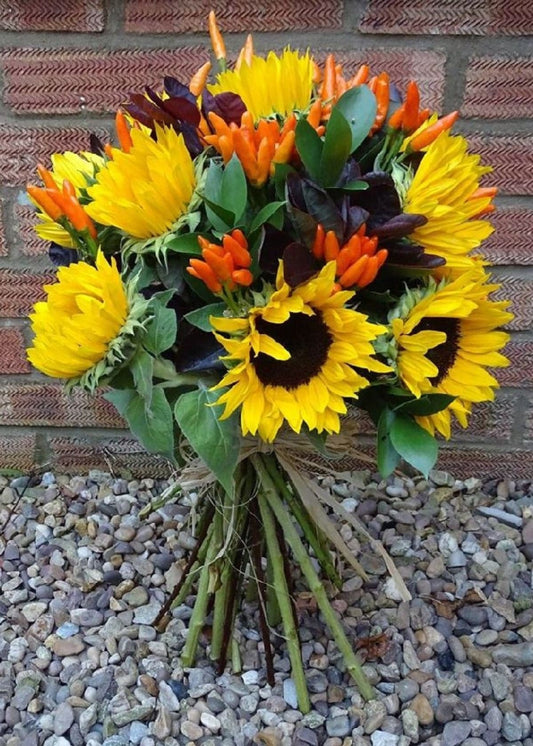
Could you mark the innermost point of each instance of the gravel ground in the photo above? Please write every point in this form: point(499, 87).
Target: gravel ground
point(81, 579)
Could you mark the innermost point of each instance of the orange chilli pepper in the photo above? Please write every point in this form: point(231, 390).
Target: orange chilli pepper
point(198, 80)
point(382, 94)
point(349, 278)
point(242, 277)
point(217, 41)
point(412, 103)
point(203, 271)
point(45, 202)
point(318, 244)
point(46, 176)
point(429, 135)
point(240, 255)
point(396, 119)
point(331, 246)
point(123, 132)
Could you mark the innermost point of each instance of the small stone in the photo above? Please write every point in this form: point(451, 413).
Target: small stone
point(210, 722)
point(406, 689)
point(289, 693)
point(501, 515)
point(382, 738)
point(33, 610)
point(249, 703)
point(494, 719)
point(422, 707)
point(63, 718)
point(375, 712)
point(69, 646)
point(391, 590)
point(501, 685)
point(88, 718)
point(67, 630)
point(523, 699)
point(410, 724)
point(146, 614)
point(511, 727)
point(137, 712)
point(457, 559)
point(138, 596)
point(516, 656)
point(455, 733)
point(167, 697)
point(22, 697)
point(86, 617)
point(338, 726)
point(192, 731)
point(527, 532)
point(486, 637)
point(436, 567)
point(444, 712)
point(162, 725)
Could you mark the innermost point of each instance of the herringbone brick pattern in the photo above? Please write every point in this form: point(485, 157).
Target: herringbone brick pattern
point(65, 65)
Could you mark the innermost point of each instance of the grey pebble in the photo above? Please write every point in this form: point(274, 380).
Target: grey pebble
point(455, 733)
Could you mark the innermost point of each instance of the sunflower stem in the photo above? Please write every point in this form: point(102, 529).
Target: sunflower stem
point(312, 532)
point(221, 593)
point(316, 587)
point(275, 558)
point(197, 619)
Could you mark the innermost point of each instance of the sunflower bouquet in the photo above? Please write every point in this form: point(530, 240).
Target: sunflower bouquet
point(256, 261)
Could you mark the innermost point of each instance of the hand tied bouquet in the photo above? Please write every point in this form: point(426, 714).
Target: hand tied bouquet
point(259, 258)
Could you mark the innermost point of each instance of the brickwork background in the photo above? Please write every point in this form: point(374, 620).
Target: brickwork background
point(66, 64)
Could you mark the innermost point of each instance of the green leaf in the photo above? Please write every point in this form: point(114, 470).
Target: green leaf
point(187, 243)
point(354, 186)
point(266, 214)
point(414, 444)
point(221, 219)
point(216, 442)
point(200, 316)
point(358, 106)
point(387, 456)
point(161, 329)
point(427, 404)
point(336, 149)
point(234, 188)
point(199, 288)
point(154, 428)
point(309, 146)
point(142, 367)
point(120, 399)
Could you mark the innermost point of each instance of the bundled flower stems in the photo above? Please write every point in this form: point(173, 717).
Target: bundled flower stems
point(261, 254)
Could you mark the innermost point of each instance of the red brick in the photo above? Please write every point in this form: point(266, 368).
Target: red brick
point(13, 357)
point(3, 243)
point(73, 81)
point(52, 15)
point(402, 65)
point(512, 240)
point(520, 372)
point(21, 148)
point(511, 156)
point(17, 451)
point(528, 429)
point(119, 455)
point(25, 222)
point(520, 292)
point(20, 290)
point(492, 420)
point(477, 17)
point(164, 16)
point(498, 87)
point(48, 405)
point(486, 463)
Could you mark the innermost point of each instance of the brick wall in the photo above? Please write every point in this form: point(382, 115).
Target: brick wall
point(65, 66)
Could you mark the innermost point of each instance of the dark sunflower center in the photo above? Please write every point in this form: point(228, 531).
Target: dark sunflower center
point(443, 355)
point(308, 340)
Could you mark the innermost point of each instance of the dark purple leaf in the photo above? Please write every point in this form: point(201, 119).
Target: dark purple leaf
point(398, 226)
point(182, 109)
point(298, 264)
point(61, 256)
point(228, 106)
point(95, 145)
point(274, 244)
point(176, 89)
point(198, 351)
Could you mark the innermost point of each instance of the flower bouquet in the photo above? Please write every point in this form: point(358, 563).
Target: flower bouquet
point(258, 260)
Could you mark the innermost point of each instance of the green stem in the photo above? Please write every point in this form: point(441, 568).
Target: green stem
point(312, 532)
point(197, 619)
point(280, 584)
point(221, 594)
point(316, 587)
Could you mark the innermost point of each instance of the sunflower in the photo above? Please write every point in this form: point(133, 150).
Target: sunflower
point(275, 85)
point(79, 169)
point(76, 327)
point(446, 336)
point(144, 191)
point(295, 358)
point(445, 190)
